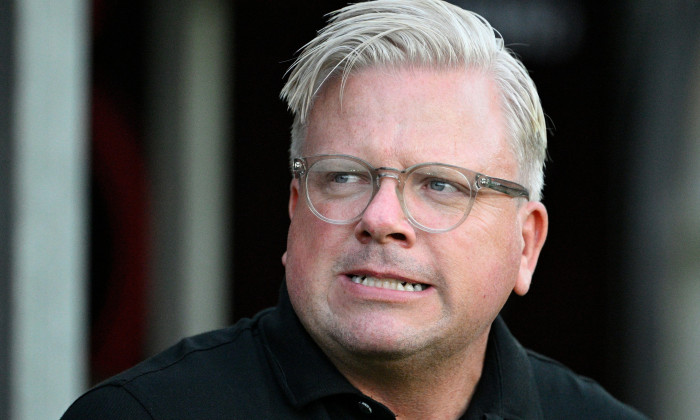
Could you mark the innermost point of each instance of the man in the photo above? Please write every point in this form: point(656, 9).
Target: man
point(417, 152)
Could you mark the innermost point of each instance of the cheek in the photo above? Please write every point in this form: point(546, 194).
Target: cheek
point(299, 269)
point(311, 245)
point(300, 247)
point(502, 262)
point(482, 266)
point(312, 249)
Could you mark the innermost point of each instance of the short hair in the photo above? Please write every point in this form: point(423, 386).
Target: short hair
point(430, 33)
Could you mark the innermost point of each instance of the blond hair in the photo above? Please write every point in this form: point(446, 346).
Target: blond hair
point(429, 33)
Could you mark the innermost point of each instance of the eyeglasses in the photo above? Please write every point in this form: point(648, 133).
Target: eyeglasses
point(435, 197)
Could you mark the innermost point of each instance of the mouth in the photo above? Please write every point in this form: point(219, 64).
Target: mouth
point(391, 284)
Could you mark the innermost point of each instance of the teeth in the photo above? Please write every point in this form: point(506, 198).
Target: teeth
point(388, 284)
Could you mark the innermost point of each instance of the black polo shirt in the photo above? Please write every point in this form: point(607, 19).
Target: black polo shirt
point(268, 367)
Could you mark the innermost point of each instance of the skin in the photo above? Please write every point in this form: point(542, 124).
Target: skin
point(405, 348)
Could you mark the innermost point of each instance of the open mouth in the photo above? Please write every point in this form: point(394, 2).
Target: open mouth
point(391, 284)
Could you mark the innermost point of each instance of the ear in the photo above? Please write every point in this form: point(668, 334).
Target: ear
point(534, 223)
point(292, 206)
point(293, 196)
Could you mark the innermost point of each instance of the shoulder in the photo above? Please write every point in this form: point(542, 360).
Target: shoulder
point(197, 369)
point(198, 360)
point(107, 402)
point(565, 394)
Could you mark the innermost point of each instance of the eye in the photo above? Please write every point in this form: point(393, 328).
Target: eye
point(344, 178)
point(441, 185)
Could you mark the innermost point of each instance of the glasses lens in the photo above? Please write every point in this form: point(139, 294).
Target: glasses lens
point(338, 189)
point(437, 197)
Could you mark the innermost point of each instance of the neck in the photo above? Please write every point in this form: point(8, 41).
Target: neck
point(419, 387)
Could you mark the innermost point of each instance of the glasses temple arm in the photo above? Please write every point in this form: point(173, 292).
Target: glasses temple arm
point(506, 187)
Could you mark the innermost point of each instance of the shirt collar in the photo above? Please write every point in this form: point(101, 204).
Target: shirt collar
point(301, 368)
point(506, 390)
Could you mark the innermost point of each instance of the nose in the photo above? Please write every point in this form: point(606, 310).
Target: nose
point(384, 220)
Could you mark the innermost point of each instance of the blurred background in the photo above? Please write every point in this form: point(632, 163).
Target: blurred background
point(144, 182)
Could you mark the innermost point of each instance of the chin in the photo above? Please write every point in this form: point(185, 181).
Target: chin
point(378, 342)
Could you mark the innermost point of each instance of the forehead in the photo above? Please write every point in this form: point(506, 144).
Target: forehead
point(403, 116)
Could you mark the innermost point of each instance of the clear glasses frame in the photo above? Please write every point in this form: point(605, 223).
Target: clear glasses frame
point(478, 181)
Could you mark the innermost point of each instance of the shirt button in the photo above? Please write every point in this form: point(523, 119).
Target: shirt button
point(365, 408)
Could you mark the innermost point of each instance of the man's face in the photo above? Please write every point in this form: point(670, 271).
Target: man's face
point(397, 118)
